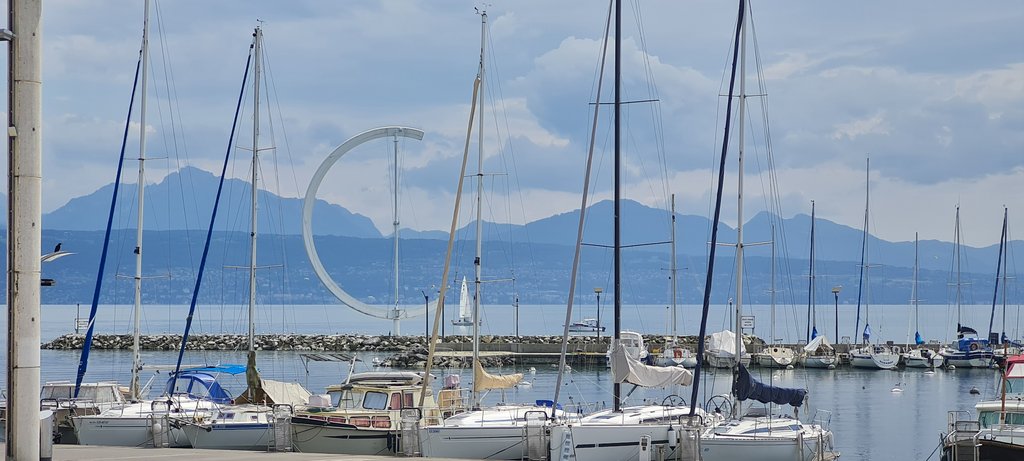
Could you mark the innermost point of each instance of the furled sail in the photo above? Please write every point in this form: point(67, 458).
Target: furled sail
point(465, 309)
point(626, 369)
point(746, 387)
point(482, 380)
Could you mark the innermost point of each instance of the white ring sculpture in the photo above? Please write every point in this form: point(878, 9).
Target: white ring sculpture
point(387, 312)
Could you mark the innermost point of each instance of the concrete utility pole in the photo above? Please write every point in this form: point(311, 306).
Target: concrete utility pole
point(24, 219)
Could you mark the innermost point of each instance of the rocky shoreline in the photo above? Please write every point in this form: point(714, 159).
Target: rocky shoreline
point(409, 351)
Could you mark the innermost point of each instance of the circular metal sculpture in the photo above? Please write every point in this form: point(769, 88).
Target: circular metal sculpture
point(383, 312)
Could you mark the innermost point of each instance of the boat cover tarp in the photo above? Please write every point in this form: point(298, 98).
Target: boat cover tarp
point(483, 380)
point(746, 387)
point(626, 369)
point(819, 342)
point(725, 341)
point(276, 392)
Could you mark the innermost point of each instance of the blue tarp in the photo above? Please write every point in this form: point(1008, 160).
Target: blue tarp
point(918, 339)
point(230, 369)
point(746, 387)
point(198, 385)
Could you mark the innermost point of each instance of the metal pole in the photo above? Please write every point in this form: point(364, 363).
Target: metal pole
point(598, 291)
point(426, 314)
point(396, 321)
point(616, 388)
point(136, 359)
point(24, 216)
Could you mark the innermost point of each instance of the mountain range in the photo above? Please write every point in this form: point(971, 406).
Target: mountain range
point(537, 254)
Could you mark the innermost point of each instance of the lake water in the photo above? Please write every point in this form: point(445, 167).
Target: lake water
point(870, 421)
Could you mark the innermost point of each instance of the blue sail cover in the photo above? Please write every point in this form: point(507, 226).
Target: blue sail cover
point(867, 332)
point(814, 333)
point(746, 387)
point(917, 338)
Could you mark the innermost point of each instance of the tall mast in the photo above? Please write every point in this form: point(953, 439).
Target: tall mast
point(137, 313)
point(810, 282)
point(673, 270)
point(772, 290)
point(917, 268)
point(479, 204)
point(257, 55)
point(395, 222)
point(1006, 238)
point(956, 247)
point(739, 205)
point(617, 245)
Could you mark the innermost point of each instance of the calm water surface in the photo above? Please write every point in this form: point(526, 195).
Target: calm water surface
point(870, 421)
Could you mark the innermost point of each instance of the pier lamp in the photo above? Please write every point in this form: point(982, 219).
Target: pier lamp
point(426, 315)
point(835, 292)
point(597, 291)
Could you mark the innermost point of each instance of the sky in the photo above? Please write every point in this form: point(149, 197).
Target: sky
point(931, 91)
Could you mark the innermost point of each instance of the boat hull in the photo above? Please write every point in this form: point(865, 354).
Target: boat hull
point(255, 436)
point(610, 442)
point(820, 361)
point(759, 448)
point(875, 361)
point(315, 436)
point(979, 359)
point(123, 432)
point(474, 442)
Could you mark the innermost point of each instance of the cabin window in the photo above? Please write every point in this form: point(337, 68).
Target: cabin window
point(1015, 386)
point(991, 418)
point(396, 401)
point(408, 400)
point(336, 397)
point(375, 401)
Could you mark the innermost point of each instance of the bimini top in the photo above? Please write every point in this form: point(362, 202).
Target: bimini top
point(197, 384)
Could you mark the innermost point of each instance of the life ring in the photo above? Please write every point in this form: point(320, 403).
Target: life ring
point(677, 353)
point(974, 346)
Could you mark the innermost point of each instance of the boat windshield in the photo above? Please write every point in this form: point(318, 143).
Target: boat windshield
point(991, 418)
point(92, 393)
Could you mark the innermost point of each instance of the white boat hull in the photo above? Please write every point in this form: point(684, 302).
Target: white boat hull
point(759, 448)
point(609, 442)
point(820, 361)
point(255, 436)
point(875, 361)
point(506, 442)
point(123, 432)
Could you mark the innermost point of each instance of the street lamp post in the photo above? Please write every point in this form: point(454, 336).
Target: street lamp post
point(597, 291)
point(835, 292)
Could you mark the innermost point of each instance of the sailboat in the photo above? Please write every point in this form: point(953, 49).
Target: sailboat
point(465, 308)
point(968, 350)
point(627, 432)
point(248, 423)
point(145, 422)
point(675, 353)
point(1008, 347)
point(875, 356)
point(757, 435)
point(919, 357)
point(818, 353)
point(775, 355)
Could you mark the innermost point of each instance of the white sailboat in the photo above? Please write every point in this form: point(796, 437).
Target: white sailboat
point(818, 353)
point(749, 435)
point(967, 351)
point(775, 355)
point(874, 356)
point(675, 353)
point(465, 308)
point(144, 422)
point(633, 432)
point(918, 357)
point(248, 423)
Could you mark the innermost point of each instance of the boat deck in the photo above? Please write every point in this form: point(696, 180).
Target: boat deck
point(76, 452)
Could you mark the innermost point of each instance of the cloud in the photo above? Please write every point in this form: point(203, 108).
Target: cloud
point(857, 128)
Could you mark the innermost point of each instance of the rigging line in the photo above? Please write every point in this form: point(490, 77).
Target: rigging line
point(655, 109)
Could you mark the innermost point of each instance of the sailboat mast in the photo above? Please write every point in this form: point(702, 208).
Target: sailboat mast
point(917, 269)
point(257, 56)
point(739, 205)
point(1006, 237)
point(812, 302)
point(617, 245)
point(395, 222)
point(673, 270)
point(479, 205)
point(137, 313)
point(772, 290)
point(956, 247)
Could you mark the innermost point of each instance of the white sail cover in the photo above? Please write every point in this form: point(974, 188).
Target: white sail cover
point(725, 341)
point(820, 341)
point(626, 369)
point(465, 312)
point(278, 392)
point(482, 380)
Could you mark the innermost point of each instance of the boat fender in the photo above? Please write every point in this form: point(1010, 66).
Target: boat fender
point(672, 437)
point(974, 346)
